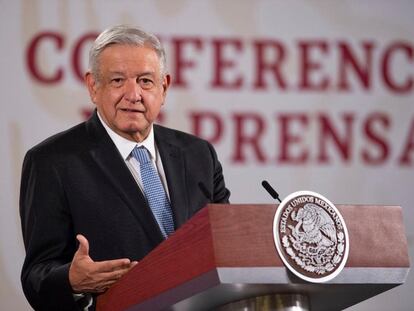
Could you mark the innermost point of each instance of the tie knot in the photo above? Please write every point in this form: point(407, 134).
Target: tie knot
point(141, 154)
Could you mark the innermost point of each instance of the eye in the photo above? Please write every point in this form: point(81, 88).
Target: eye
point(146, 83)
point(117, 82)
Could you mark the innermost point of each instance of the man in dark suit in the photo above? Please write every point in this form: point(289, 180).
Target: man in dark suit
point(86, 209)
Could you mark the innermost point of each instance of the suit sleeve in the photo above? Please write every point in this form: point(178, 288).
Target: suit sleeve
point(47, 234)
point(220, 193)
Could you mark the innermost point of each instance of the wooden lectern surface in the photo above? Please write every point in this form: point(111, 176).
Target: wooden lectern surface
point(244, 239)
point(241, 236)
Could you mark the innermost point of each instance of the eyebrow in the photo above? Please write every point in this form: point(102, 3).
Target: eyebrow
point(147, 73)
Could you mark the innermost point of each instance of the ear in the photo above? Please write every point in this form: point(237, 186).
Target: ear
point(166, 84)
point(91, 84)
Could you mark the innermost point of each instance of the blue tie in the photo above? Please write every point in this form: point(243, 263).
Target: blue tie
point(154, 191)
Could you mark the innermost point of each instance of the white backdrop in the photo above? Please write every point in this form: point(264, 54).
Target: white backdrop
point(314, 95)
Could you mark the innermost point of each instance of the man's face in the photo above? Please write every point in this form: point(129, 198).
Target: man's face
point(130, 90)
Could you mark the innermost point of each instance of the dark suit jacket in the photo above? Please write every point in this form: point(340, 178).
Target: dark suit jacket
point(77, 182)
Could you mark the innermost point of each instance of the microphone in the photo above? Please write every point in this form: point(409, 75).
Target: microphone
point(205, 191)
point(270, 190)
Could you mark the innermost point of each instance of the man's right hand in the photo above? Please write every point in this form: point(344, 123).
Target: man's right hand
point(88, 276)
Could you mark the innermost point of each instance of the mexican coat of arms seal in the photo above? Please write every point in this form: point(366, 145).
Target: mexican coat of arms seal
point(311, 236)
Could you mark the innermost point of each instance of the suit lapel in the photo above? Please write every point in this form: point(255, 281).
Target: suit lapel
point(111, 163)
point(174, 168)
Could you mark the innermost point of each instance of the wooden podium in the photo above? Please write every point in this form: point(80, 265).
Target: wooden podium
point(226, 253)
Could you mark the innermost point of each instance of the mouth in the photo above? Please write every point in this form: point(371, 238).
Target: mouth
point(132, 110)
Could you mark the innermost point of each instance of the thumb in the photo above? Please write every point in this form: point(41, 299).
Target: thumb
point(83, 245)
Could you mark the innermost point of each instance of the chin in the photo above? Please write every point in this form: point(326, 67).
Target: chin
point(134, 128)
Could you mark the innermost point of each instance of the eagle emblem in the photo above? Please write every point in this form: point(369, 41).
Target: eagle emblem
point(311, 236)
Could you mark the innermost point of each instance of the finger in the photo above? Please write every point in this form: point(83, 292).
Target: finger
point(118, 273)
point(83, 245)
point(112, 265)
point(106, 280)
point(103, 280)
point(133, 264)
point(113, 276)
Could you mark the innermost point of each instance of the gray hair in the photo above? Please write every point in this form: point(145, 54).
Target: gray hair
point(124, 34)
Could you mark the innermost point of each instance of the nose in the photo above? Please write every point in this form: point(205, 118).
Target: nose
point(133, 92)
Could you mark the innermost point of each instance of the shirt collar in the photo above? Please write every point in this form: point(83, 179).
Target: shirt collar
point(126, 146)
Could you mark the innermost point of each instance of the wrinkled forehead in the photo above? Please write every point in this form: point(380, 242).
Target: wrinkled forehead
point(129, 57)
